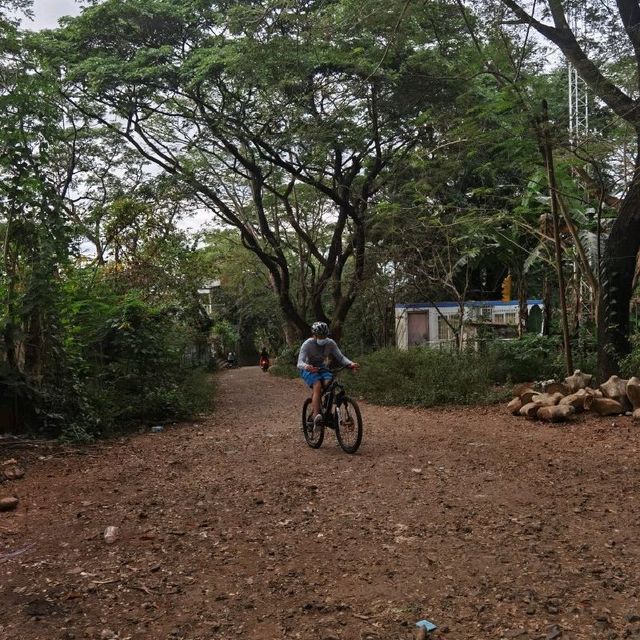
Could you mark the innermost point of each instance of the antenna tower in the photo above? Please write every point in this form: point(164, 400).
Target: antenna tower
point(578, 92)
point(578, 131)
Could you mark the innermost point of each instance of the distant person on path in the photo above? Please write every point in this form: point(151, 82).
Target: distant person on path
point(264, 359)
point(312, 359)
point(232, 361)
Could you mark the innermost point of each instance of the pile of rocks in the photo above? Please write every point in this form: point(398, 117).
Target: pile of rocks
point(558, 401)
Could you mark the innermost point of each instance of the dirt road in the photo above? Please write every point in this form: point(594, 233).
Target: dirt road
point(488, 525)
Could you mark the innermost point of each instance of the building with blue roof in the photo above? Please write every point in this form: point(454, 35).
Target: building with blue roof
point(436, 323)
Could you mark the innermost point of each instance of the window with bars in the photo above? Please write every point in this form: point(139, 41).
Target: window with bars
point(445, 332)
point(505, 317)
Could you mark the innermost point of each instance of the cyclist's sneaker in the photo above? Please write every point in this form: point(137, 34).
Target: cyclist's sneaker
point(317, 421)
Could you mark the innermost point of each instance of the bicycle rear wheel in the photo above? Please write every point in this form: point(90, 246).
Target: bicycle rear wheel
point(314, 435)
point(348, 425)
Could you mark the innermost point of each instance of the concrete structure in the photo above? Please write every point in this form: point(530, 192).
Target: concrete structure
point(426, 323)
point(206, 295)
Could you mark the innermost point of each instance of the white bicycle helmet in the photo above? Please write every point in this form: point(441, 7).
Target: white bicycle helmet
point(320, 329)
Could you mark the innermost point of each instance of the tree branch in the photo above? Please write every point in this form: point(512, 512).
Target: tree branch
point(562, 36)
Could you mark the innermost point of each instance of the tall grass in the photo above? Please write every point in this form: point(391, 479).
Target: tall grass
point(420, 376)
point(424, 377)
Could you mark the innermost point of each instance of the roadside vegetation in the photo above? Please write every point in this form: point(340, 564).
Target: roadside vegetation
point(424, 377)
point(427, 376)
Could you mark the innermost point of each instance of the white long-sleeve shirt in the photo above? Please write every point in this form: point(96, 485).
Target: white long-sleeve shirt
point(311, 353)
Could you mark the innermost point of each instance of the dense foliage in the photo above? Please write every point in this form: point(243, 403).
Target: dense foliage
point(133, 360)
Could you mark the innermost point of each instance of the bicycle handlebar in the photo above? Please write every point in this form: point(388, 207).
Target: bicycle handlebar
point(334, 371)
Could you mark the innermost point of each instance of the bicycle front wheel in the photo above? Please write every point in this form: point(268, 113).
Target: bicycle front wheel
point(313, 434)
point(348, 425)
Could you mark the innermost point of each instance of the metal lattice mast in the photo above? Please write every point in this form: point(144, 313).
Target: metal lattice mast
point(578, 96)
point(578, 107)
point(578, 92)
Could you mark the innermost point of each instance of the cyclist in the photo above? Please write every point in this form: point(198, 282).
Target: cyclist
point(264, 359)
point(311, 362)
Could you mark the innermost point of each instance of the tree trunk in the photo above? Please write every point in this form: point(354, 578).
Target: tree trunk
point(523, 309)
point(33, 346)
point(292, 334)
point(546, 311)
point(618, 270)
point(548, 159)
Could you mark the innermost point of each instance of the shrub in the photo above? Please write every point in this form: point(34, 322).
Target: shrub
point(531, 357)
point(535, 357)
point(129, 365)
point(630, 365)
point(585, 352)
point(289, 356)
point(285, 364)
point(425, 377)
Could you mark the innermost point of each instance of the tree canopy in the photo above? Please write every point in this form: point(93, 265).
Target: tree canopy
point(337, 100)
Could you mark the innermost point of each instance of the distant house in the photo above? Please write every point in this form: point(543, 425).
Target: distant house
point(430, 324)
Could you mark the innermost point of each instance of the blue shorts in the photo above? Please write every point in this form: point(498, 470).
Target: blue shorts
point(309, 377)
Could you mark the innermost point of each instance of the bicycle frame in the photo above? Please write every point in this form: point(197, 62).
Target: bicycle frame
point(332, 395)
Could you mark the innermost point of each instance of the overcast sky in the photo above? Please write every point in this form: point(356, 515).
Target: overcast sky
point(47, 12)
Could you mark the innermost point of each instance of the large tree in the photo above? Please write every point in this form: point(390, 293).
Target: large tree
point(246, 102)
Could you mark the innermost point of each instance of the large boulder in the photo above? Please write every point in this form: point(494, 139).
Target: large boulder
point(575, 400)
point(603, 406)
point(577, 381)
point(556, 387)
point(615, 388)
point(530, 410)
point(526, 395)
point(519, 389)
point(633, 392)
point(547, 399)
point(514, 406)
point(558, 413)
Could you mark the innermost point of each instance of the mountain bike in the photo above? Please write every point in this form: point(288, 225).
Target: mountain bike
point(339, 412)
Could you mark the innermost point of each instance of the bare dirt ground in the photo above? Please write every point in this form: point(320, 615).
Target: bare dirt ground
point(486, 524)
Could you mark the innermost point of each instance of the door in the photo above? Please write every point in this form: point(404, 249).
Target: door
point(418, 327)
